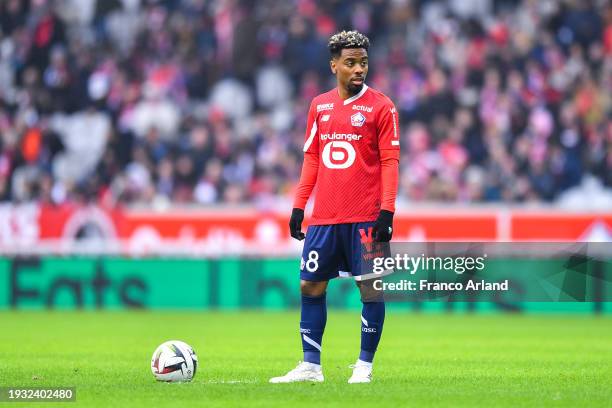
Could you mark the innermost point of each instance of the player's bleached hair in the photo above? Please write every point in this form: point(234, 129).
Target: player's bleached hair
point(347, 39)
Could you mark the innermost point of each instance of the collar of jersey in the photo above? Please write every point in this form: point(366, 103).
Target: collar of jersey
point(355, 97)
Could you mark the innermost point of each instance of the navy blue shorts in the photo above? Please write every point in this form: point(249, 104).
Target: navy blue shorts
point(336, 250)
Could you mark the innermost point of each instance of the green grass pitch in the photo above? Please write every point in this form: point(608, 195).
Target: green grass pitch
point(424, 360)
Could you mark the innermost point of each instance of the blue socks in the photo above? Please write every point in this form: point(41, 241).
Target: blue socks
point(372, 319)
point(312, 325)
point(314, 318)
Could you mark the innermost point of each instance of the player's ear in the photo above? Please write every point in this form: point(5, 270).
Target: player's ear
point(332, 65)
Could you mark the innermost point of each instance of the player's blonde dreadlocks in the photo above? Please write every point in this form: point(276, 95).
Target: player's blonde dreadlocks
point(347, 39)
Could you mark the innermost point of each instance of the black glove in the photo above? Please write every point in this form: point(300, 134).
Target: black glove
point(383, 227)
point(295, 224)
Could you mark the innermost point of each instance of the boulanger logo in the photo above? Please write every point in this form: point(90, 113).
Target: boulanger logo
point(338, 154)
point(340, 136)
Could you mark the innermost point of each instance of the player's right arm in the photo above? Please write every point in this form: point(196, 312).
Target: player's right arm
point(308, 178)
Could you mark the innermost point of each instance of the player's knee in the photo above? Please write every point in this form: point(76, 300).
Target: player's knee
point(368, 291)
point(309, 288)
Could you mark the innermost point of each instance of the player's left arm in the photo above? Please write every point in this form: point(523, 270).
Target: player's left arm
point(389, 152)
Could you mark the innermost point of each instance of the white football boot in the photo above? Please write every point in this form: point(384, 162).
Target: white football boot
point(303, 372)
point(362, 373)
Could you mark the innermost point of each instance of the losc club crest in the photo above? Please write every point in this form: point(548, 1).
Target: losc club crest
point(358, 119)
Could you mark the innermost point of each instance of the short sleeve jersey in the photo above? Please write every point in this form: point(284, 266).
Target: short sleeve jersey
point(347, 135)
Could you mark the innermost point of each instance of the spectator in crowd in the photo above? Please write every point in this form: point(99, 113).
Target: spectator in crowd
point(201, 101)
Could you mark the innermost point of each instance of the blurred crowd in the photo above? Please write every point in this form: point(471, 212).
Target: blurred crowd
point(204, 102)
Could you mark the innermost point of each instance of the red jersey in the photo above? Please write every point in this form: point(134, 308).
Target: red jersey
point(347, 140)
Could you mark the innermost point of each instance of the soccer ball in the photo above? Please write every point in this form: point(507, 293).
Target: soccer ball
point(174, 361)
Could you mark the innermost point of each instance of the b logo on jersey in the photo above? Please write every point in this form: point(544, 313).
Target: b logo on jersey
point(357, 119)
point(338, 155)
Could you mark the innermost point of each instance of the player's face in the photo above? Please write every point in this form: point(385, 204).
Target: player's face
point(351, 68)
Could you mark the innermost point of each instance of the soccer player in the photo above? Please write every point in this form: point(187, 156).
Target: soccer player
point(351, 156)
